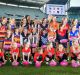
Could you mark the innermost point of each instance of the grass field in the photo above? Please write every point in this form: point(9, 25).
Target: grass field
point(44, 70)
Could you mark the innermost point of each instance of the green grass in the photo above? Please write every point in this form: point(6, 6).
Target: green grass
point(44, 70)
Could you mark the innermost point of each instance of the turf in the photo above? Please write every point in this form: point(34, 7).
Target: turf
point(43, 70)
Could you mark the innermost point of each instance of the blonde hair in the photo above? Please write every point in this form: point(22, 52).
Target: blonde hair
point(11, 19)
point(13, 44)
point(62, 46)
point(39, 49)
point(49, 45)
point(28, 43)
point(9, 30)
point(74, 45)
point(74, 41)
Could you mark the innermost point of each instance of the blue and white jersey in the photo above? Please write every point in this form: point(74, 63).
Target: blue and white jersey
point(74, 34)
point(77, 26)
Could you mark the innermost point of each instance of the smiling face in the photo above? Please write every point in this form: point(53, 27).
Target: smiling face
point(65, 21)
point(12, 21)
point(61, 27)
point(73, 28)
point(4, 20)
point(76, 21)
point(44, 21)
point(14, 45)
point(28, 17)
point(16, 30)
point(54, 19)
point(75, 42)
point(44, 31)
point(24, 21)
point(27, 45)
point(8, 32)
point(40, 51)
point(61, 47)
point(49, 46)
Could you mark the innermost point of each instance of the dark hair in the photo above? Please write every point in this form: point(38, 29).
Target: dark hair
point(3, 17)
point(60, 25)
point(27, 19)
point(21, 23)
point(26, 16)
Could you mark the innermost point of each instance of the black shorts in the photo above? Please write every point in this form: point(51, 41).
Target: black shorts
point(50, 58)
point(1, 60)
point(64, 57)
point(40, 58)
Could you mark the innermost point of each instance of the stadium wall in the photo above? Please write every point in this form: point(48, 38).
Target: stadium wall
point(34, 13)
